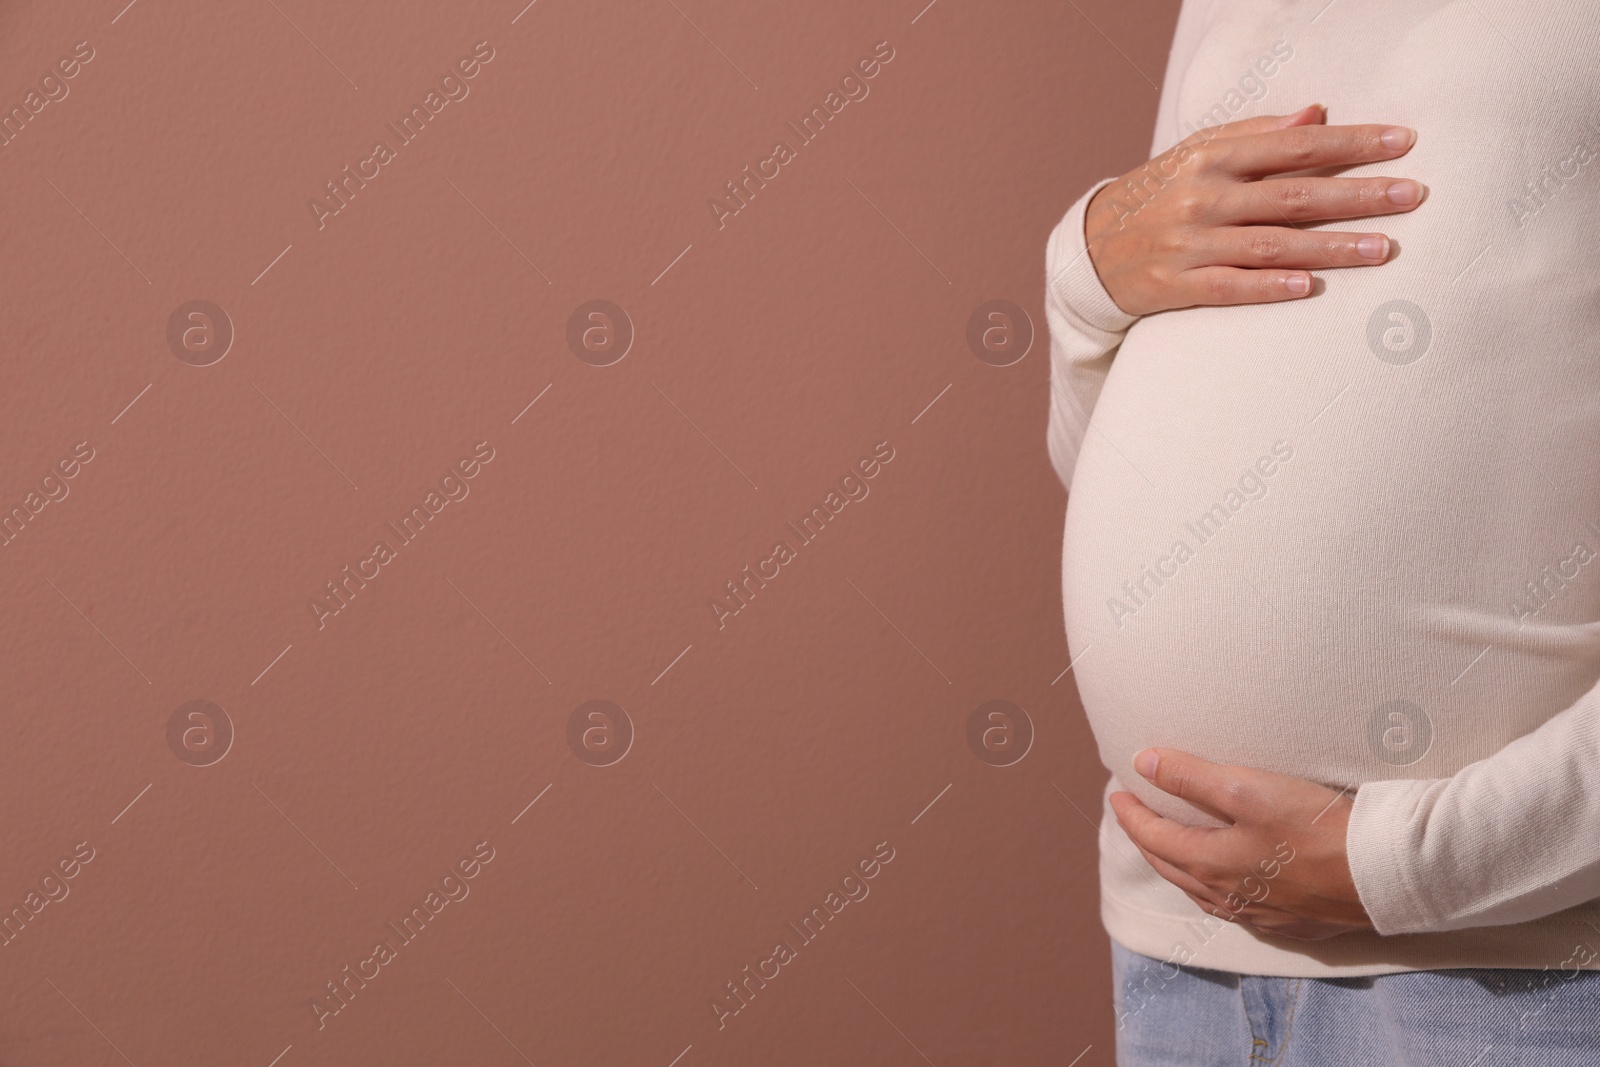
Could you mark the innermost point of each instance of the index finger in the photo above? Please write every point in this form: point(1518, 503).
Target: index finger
point(1305, 148)
point(1312, 114)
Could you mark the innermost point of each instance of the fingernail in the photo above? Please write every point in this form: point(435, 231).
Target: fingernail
point(1396, 138)
point(1405, 193)
point(1373, 246)
point(1145, 763)
point(1300, 285)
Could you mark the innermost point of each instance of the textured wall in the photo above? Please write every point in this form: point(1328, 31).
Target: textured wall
point(255, 719)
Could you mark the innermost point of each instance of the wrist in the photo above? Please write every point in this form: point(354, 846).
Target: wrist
point(1100, 217)
point(1074, 281)
point(1342, 900)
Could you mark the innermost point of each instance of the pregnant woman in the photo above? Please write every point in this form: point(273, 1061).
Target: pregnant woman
point(1326, 399)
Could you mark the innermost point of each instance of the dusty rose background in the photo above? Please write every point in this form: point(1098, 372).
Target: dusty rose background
point(370, 756)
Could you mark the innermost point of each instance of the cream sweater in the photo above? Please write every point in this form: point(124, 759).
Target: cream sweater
point(1354, 538)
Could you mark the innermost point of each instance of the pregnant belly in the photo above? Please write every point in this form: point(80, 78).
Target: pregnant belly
point(1325, 595)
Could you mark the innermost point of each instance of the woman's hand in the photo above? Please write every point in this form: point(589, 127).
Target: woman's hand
point(1206, 223)
point(1280, 867)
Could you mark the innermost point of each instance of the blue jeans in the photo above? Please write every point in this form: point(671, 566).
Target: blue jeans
point(1177, 1016)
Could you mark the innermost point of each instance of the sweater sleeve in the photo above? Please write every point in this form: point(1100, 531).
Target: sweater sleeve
point(1507, 839)
point(1086, 327)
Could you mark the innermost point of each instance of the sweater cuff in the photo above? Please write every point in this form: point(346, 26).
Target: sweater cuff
point(1072, 276)
point(1380, 843)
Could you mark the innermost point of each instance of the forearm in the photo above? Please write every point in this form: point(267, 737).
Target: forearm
point(1508, 839)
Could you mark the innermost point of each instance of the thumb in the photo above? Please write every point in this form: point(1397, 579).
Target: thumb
point(1220, 790)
